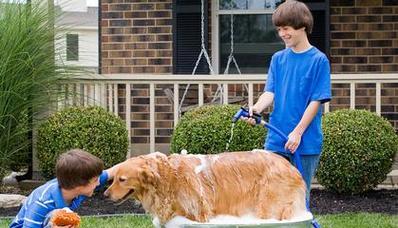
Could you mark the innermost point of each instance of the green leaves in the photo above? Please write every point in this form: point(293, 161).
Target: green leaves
point(207, 129)
point(358, 151)
point(28, 74)
point(89, 128)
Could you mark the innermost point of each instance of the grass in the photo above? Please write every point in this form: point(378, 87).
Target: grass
point(346, 220)
point(363, 220)
point(119, 222)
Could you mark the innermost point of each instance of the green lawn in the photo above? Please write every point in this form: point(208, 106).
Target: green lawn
point(346, 220)
point(360, 220)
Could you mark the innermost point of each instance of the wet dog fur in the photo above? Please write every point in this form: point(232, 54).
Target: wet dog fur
point(200, 187)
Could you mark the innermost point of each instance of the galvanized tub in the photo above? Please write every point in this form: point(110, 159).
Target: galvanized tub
point(302, 222)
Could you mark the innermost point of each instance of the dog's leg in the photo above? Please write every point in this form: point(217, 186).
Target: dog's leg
point(205, 212)
point(287, 212)
point(264, 210)
point(202, 217)
point(200, 212)
point(267, 203)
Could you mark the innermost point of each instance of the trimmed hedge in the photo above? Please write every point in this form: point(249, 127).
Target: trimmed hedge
point(207, 129)
point(92, 129)
point(358, 151)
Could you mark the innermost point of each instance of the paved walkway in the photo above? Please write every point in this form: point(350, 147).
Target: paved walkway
point(391, 180)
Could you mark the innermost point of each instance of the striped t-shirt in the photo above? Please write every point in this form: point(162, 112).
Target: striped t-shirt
point(45, 199)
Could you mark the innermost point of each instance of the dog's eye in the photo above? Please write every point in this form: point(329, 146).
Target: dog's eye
point(122, 179)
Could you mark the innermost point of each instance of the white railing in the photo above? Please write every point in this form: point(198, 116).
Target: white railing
point(103, 90)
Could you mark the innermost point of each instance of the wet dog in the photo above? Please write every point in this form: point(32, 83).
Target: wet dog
point(200, 187)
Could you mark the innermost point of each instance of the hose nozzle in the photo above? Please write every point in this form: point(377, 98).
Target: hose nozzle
point(243, 112)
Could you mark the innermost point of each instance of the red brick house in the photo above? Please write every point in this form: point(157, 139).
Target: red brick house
point(163, 38)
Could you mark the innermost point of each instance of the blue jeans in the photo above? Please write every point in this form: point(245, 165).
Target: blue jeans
point(309, 164)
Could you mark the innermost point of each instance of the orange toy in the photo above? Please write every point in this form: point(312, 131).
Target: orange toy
point(65, 218)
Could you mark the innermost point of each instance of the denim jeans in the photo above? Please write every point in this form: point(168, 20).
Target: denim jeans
point(309, 164)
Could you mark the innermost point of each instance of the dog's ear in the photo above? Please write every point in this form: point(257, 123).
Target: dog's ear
point(149, 172)
point(149, 175)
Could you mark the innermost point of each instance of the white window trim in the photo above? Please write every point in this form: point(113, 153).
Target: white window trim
point(214, 36)
point(228, 12)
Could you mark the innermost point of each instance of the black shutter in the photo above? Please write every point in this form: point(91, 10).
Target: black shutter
point(317, 37)
point(320, 32)
point(187, 36)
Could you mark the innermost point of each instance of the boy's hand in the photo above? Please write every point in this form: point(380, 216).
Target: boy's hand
point(250, 120)
point(293, 141)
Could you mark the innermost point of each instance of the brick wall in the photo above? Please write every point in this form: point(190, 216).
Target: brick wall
point(364, 39)
point(364, 36)
point(136, 36)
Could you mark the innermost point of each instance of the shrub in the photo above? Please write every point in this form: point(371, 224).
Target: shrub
point(207, 129)
point(358, 151)
point(89, 128)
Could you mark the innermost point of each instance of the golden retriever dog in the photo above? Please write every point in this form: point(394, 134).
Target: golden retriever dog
point(200, 187)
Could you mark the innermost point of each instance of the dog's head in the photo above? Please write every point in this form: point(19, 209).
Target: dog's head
point(134, 176)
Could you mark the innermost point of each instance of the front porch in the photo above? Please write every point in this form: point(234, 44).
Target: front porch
point(150, 114)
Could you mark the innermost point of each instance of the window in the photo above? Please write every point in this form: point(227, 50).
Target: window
point(249, 4)
point(187, 36)
point(72, 47)
point(254, 38)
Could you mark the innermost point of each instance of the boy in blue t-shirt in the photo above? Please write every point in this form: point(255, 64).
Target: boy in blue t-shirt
point(78, 174)
point(298, 83)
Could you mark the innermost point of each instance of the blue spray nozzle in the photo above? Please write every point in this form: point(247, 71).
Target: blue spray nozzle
point(238, 114)
point(243, 112)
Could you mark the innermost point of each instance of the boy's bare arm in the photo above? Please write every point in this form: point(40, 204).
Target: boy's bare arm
point(295, 136)
point(263, 102)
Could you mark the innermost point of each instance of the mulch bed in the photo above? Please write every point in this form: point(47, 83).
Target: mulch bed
point(376, 201)
point(322, 202)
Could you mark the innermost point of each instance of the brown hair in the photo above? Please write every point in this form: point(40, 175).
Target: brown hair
point(295, 14)
point(76, 168)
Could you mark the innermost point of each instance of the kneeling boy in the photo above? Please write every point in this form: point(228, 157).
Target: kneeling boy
point(78, 174)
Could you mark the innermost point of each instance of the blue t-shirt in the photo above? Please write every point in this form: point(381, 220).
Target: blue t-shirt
point(296, 79)
point(45, 199)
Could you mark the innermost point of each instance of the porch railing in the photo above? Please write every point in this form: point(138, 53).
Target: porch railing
point(103, 90)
